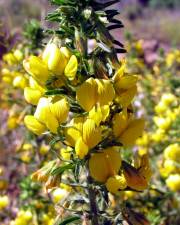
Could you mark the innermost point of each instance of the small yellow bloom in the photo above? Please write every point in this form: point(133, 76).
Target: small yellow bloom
point(105, 164)
point(18, 55)
point(55, 59)
point(4, 202)
point(173, 182)
point(60, 109)
point(20, 82)
point(125, 98)
point(37, 69)
point(10, 59)
point(116, 183)
point(35, 85)
point(161, 108)
point(169, 166)
point(94, 91)
point(105, 91)
point(32, 96)
point(44, 115)
point(71, 68)
point(66, 153)
point(12, 122)
point(168, 98)
point(43, 150)
point(127, 130)
point(81, 148)
point(74, 131)
point(91, 133)
point(162, 123)
point(34, 125)
point(172, 152)
point(99, 113)
point(59, 194)
point(87, 94)
point(159, 135)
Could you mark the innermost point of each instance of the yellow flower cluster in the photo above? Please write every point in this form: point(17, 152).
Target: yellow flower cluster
point(9, 72)
point(106, 114)
point(167, 111)
point(23, 218)
point(170, 168)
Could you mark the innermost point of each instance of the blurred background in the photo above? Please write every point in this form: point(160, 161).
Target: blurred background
point(147, 19)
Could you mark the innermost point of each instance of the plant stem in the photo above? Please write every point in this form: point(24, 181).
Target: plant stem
point(92, 202)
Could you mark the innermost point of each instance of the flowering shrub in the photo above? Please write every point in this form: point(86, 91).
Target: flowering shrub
point(86, 155)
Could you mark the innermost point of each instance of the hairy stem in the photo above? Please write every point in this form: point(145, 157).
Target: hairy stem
point(92, 202)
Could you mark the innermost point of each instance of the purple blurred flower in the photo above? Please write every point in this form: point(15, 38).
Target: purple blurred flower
point(7, 40)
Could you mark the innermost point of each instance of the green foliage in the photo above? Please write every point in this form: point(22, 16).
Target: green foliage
point(69, 220)
point(33, 34)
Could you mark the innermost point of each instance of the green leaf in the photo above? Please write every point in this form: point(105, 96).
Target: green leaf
point(60, 170)
point(69, 220)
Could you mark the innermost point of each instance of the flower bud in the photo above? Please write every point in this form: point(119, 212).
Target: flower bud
point(116, 183)
point(55, 59)
point(20, 82)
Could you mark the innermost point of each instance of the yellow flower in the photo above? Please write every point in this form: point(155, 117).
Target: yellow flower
point(105, 91)
point(71, 68)
point(59, 194)
point(158, 136)
point(81, 148)
point(94, 91)
point(18, 55)
point(105, 164)
point(4, 202)
point(66, 153)
point(127, 130)
point(87, 94)
point(10, 58)
point(34, 125)
point(37, 69)
point(169, 166)
point(32, 96)
point(91, 133)
point(161, 108)
point(74, 131)
point(55, 59)
point(52, 113)
point(12, 122)
point(168, 98)
point(162, 123)
point(60, 109)
point(35, 85)
point(126, 97)
point(172, 152)
point(116, 183)
point(20, 81)
point(173, 182)
point(43, 150)
point(144, 140)
point(125, 86)
point(99, 113)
